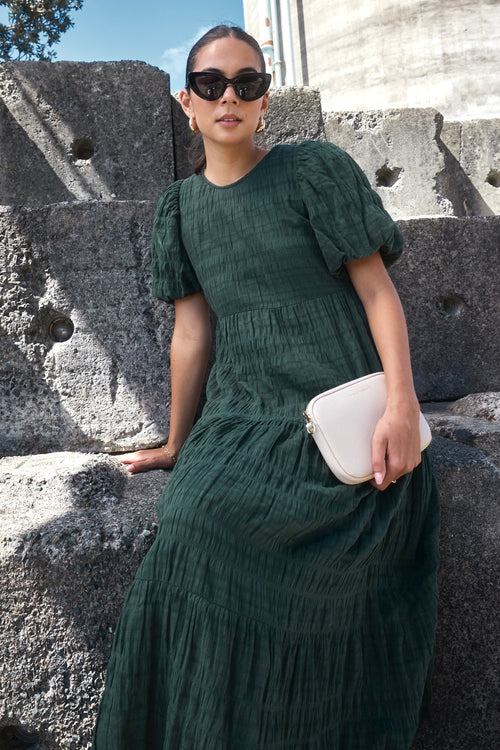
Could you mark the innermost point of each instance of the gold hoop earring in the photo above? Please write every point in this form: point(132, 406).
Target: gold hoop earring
point(261, 125)
point(193, 125)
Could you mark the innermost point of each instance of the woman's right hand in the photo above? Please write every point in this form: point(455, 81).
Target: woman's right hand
point(146, 460)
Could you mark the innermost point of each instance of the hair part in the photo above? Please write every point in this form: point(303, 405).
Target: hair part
point(218, 32)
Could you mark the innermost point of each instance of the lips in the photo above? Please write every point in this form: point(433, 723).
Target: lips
point(228, 118)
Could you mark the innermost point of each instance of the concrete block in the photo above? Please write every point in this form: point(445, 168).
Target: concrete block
point(294, 115)
point(474, 148)
point(447, 280)
point(74, 529)
point(187, 146)
point(467, 664)
point(400, 153)
point(82, 131)
point(473, 420)
point(84, 347)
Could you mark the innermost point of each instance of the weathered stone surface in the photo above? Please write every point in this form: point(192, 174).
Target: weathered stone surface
point(74, 529)
point(472, 420)
point(473, 149)
point(466, 677)
point(294, 115)
point(400, 153)
point(83, 131)
point(447, 280)
point(187, 147)
point(479, 405)
point(107, 387)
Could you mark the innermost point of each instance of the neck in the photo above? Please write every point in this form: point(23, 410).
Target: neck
point(229, 164)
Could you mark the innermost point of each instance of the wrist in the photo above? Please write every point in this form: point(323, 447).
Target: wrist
point(171, 453)
point(401, 394)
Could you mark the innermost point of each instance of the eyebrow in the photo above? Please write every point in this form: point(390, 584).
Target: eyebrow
point(241, 70)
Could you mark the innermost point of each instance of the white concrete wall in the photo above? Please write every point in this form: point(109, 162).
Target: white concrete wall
point(379, 54)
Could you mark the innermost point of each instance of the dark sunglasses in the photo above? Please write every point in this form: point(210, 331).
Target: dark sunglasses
point(211, 86)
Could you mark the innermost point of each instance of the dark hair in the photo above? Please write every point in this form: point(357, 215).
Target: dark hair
point(219, 32)
point(222, 32)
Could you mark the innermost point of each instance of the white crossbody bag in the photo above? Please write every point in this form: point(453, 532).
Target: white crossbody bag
point(342, 422)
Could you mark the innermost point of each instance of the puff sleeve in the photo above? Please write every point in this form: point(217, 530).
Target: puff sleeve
point(347, 216)
point(173, 274)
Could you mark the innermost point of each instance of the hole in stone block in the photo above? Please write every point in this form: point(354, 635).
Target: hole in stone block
point(83, 149)
point(494, 177)
point(387, 176)
point(453, 305)
point(17, 738)
point(61, 328)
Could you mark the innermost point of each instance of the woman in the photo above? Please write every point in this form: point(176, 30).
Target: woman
point(278, 608)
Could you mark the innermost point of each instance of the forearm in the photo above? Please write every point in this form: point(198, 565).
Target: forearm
point(189, 352)
point(188, 363)
point(387, 325)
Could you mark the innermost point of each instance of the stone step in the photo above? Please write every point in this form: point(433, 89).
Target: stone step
point(75, 528)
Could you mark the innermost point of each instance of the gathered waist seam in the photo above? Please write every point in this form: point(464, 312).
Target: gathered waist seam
point(280, 306)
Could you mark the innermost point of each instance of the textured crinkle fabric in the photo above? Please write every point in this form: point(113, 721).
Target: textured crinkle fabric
point(278, 609)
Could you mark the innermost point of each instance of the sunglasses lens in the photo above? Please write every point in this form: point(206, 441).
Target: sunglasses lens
point(208, 85)
point(250, 86)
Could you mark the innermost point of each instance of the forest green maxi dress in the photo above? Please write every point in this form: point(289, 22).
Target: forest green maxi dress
point(278, 609)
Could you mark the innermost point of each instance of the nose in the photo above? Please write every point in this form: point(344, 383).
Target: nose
point(229, 93)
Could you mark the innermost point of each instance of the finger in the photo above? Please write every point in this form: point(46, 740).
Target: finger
point(127, 458)
point(379, 448)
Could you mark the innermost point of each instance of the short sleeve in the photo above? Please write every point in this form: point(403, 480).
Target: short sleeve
point(346, 214)
point(173, 274)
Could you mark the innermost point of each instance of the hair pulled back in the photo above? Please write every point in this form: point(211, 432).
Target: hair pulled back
point(212, 35)
point(222, 32)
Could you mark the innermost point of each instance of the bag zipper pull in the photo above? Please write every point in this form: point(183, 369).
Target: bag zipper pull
point(310, 426)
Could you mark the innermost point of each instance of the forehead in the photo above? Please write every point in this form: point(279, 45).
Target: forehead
point(229, 55)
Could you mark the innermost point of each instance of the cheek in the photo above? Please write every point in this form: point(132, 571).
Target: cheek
point(201, 109)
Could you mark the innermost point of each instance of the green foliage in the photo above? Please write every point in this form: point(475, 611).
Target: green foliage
point(34, 26)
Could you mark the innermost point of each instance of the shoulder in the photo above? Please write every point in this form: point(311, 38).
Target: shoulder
point(168, 204)
point(327, 158)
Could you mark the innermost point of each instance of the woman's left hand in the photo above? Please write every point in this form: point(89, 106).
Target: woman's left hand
point(146, 460)
point(396, 444)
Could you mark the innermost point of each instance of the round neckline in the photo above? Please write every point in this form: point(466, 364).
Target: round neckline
point(241, 179)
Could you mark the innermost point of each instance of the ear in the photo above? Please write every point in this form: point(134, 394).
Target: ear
point(185, 101)
point(265, 103)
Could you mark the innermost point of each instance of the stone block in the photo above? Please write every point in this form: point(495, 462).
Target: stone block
point(78, 131)
point(400, 153)
point(473, 420)
point(447, 280)
point(474, 148)
point(294, 115)
point(74, 529)
point(187, 146)
point(467, 664)
point(84, 347)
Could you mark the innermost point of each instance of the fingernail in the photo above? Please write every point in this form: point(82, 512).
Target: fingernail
point(379, 478)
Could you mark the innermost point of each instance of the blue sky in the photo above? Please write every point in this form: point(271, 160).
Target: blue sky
point(159, 32)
